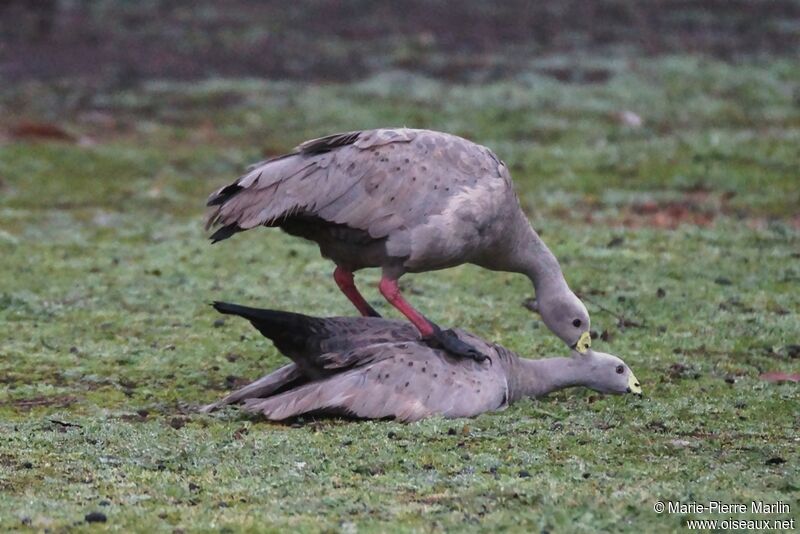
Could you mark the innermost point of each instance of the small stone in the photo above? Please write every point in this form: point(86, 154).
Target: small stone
point(177, 422)
point(628, 118)
point(233, 381)
point(657, 426)
point(524, 474)
point(95, 517)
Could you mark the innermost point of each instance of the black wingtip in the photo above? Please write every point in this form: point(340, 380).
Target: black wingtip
point(257, 314)
point(225, 232)
point(225, 194)
point(289, 331)
point(233, 309)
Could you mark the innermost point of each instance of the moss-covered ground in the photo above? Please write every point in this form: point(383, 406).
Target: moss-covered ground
point(683, 235)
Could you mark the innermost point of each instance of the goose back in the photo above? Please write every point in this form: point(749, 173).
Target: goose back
point(406, 381)
point(367, 367)
point(423, 199)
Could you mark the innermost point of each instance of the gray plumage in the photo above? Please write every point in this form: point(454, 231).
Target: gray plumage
point(404, 200)
point(374, 368)
point(397, 191)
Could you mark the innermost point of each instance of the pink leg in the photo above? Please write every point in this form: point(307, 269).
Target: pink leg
point(344, 279)
point(390, 290)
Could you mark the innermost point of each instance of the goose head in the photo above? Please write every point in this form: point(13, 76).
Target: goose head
point(606, 373)
point(566, 316)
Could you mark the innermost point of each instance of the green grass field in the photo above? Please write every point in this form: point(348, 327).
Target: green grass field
point(683, 235)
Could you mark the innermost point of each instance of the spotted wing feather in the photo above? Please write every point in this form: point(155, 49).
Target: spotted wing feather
point(401, 381)
point(385, 182)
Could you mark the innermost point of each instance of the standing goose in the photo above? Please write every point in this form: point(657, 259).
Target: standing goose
point(374, 368)
point(406, 201)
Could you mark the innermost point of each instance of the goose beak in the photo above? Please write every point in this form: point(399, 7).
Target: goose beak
point(583, 343)
point(633, 385)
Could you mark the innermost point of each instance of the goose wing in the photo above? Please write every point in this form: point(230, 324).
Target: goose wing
point(305, 339)
point(340, 178)
point(265, 386)
point(378, 181)
point(403, 381)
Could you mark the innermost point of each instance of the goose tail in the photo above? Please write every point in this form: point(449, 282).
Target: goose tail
point(274, 324)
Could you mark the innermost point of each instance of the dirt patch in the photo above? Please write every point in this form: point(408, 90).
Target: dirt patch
point(123, 42)
point(40, 130)
point(61, 401)
point(669, 215)
point(694, 208)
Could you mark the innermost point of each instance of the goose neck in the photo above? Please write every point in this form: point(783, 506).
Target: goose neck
point(534, 259)
point(537, 378)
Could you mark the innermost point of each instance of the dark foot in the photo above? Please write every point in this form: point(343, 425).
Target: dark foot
point(447, 340)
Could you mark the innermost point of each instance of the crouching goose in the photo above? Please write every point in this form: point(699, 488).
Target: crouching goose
point(406, 201)
point(374, 368)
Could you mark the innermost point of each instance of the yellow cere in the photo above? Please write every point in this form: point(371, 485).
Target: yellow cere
point(634, 385)
point(584, 342)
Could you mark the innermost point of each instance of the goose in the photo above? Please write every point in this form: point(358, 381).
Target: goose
point(406, 201)
point(374, 368)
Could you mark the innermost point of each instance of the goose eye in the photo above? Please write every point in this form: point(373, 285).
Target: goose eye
point(620, 369)
point(576, 323)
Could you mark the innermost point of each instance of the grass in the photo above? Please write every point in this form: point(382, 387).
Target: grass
point(688, 226)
